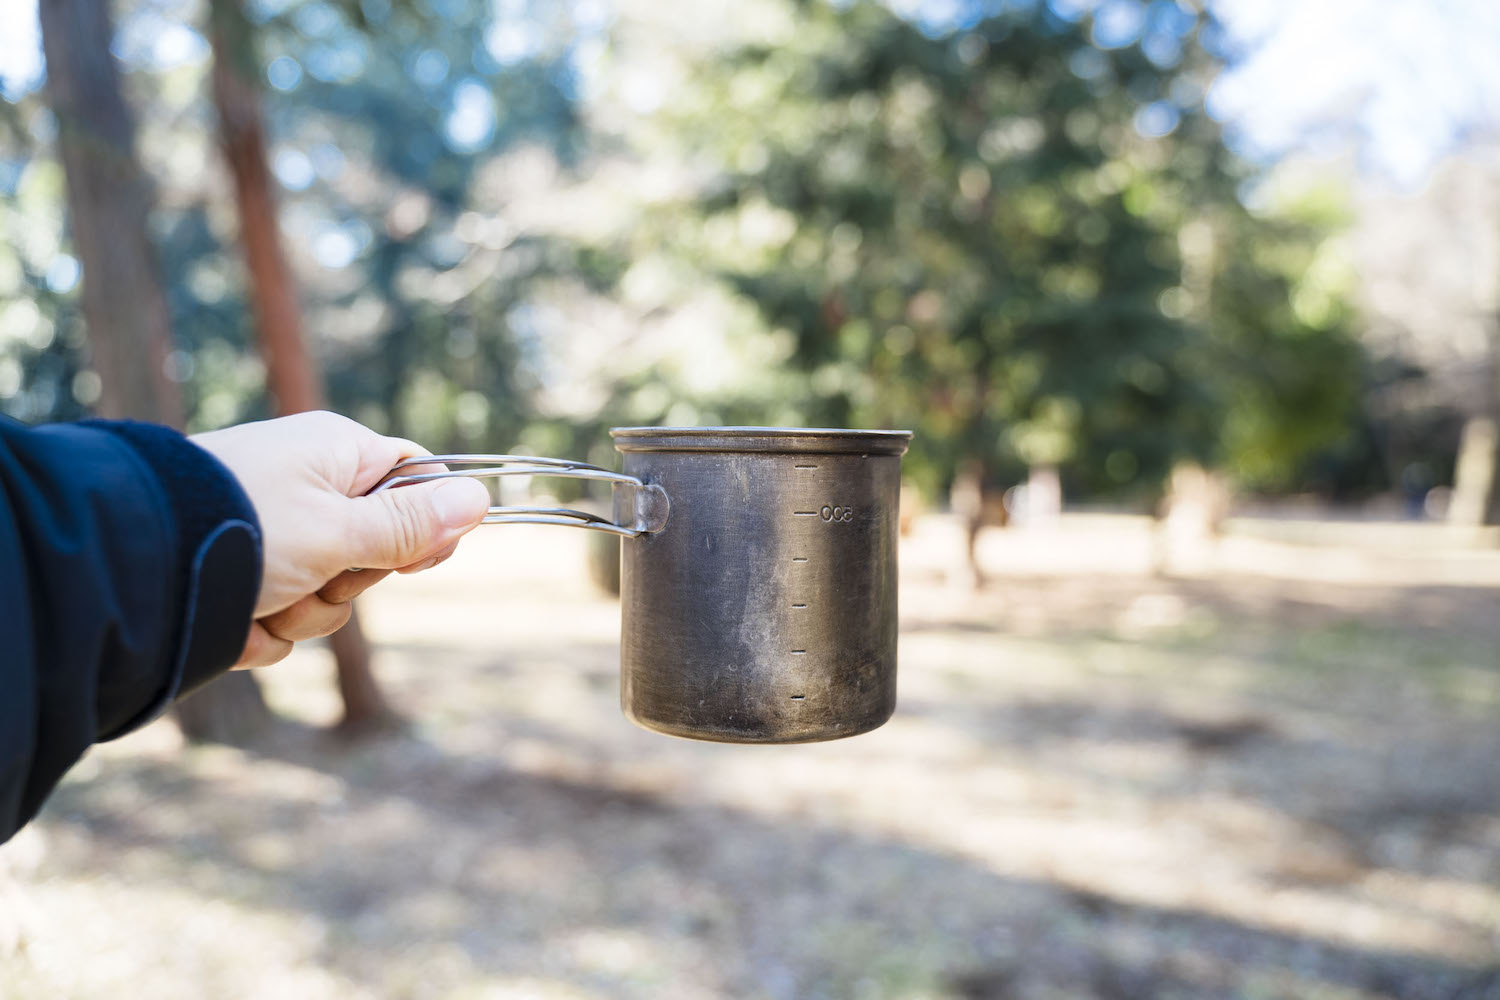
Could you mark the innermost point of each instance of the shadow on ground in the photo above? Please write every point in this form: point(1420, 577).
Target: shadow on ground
point(535, 875)
point(1096, 786)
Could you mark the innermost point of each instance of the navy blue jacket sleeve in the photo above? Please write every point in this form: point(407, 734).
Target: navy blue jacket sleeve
point(130, 562)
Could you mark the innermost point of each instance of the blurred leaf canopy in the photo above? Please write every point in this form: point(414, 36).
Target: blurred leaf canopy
point(1023, 240)
point(1014, 231)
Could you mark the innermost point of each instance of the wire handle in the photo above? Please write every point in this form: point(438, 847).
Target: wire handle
point(639, 507)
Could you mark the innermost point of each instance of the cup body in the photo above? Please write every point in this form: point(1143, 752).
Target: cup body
point(765, 610)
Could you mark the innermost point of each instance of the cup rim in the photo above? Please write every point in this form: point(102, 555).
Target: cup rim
point(773, 440)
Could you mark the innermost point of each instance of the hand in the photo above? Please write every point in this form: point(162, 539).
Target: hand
point(306, 475)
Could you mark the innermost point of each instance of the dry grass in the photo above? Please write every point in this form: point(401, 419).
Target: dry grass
point(1275, 774)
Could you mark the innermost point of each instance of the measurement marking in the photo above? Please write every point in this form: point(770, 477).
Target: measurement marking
point(804, 466)
point(799, 652)
point(805, 513)
point(799, 605)
point(799, 558)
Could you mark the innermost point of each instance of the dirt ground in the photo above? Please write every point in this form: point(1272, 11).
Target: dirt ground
point(1272, 772)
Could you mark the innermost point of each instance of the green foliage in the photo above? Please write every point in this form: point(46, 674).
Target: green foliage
point(979, 233)
point(40, 326)
point(399, 108)
point(1015, 235)
point(417, 291)
point(1281, 315)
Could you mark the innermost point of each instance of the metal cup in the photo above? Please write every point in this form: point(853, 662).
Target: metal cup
point(758, 576)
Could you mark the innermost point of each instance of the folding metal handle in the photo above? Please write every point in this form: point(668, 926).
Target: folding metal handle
point(639, 507)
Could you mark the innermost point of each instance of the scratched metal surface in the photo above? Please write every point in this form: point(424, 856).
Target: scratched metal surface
point(765, 610)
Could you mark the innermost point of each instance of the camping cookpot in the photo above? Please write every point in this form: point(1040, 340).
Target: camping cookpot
point(758, 581)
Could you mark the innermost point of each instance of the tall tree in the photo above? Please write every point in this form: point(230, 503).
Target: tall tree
point(402, 145)
point(124, 304)
point(1476, 477)
point(1017, 233)
point(292, 373)
point(130, 334)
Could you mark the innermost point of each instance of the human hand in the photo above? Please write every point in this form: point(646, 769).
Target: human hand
point(306, 475)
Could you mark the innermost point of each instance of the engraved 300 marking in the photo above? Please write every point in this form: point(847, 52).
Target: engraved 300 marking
point(828, 513)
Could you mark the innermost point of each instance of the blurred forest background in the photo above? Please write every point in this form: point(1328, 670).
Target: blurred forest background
point(1015, 228)
point(1158, 260)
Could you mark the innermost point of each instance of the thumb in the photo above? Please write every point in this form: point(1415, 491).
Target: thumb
point(402, 526)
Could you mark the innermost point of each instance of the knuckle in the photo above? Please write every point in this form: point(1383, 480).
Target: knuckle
point(263, 648)
point(328, 418)
point(276, 654)
point(336, 591)
point(407, 525)
point(282, 626)
point(340, 618)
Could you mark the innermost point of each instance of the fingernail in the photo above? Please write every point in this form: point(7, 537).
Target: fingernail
point(459, 502)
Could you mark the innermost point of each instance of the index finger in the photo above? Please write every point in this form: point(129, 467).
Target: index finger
point(383, 454)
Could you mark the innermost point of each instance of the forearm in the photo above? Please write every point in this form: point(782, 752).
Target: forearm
point(129, 567)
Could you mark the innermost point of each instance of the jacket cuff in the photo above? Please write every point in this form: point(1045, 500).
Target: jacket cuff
point(218, 571)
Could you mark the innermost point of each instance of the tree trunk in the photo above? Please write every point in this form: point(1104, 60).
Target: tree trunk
point(291, 373)
point(365, 708)
point(229, 710)
point(129, 327)
point(1476, 476)
point(1476, 471)
point(124, 304)
point(966, 498)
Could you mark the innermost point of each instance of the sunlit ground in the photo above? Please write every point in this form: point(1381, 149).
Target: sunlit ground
point(1274, 772)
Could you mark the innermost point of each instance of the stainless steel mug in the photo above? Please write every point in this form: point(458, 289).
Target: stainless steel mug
point(758, 584)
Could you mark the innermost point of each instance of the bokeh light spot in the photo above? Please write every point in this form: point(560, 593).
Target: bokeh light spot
point(284, 73)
